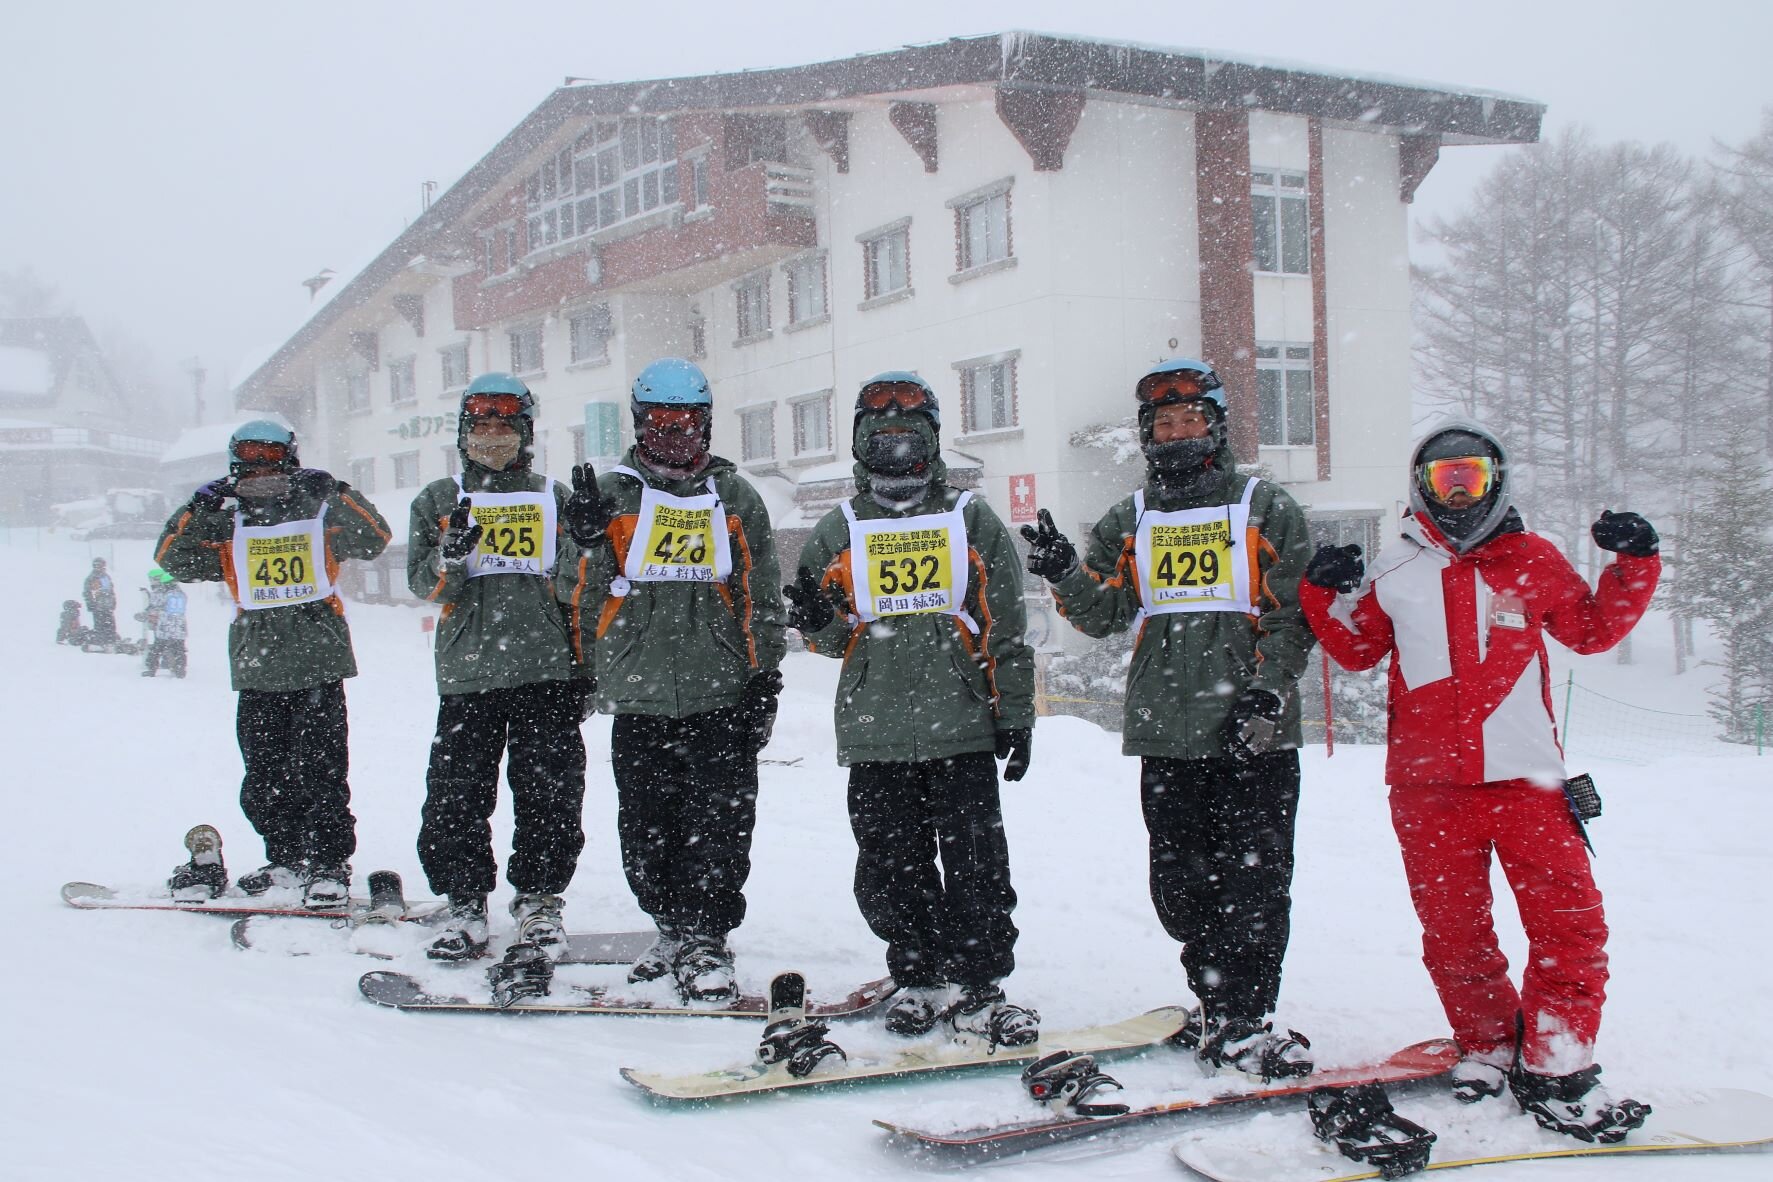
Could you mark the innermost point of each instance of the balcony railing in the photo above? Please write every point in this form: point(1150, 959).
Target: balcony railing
point(788, 185)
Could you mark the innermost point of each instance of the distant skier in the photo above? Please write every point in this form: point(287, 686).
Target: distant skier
point(491, 547)
point(682, 562)
point(917, 587)
point(68, 629)
point(1461, 603)
point(1204, 564)
point(165, 618)
point(275, 533)
point(100, 594)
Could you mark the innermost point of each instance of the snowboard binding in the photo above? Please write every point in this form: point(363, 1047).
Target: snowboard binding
point(1362, 1125)
point(204, 877)
point(526, 971)
point(800, 1043)
point(1064, 1082)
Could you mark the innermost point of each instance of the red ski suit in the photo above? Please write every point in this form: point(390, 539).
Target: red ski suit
point(1474, 765)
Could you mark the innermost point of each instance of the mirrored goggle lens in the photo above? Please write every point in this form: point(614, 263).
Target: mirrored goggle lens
point(253, 451)
point(499, 405)
point(1171, 387)
point(904, 395)
point(1472, 475)
point(674, 418)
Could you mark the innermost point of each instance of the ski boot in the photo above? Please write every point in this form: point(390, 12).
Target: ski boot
point(1576, 1105)
point(274, 876)
point(800, 1043)
point(1254, 1049)
point(464, 933)
point(658, 961)
point(328, 889)
point(1362, 1125)
point(538, 921)
point(705, 970)
point(917, 1008)
point(526, 971)
point(982, 1013)
point(1064, 1082)
point(204, 877)
point(1475, 1079)
point(387, 898)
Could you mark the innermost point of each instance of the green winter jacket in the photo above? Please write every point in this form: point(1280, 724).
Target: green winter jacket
point(676, 649)
point(922, 686)
point(279, 649)
point(496, 631)
point(1188, 667)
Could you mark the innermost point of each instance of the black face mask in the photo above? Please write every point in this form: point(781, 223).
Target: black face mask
point(896, 453)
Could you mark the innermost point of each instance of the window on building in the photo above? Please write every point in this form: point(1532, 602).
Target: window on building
point(591, 332)
point(578, 434)
point(526, 348)
point(757, 433)
point(1286, 407)
point(501, 253)
point(620, 169)
point(988, 394)
point(751, 295)
point(453, 362)
point(363, 475)
point(806, 288)
point(452, 459)
point(698, 334)
point(701, 183)
point(403, 382)
point(406, 469)
point(982, 231)
point(357, 391)
point(1282, 229)
point(886, 262)
point(812, 425)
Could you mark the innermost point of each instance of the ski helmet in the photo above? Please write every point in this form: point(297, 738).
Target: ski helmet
point(673, 411)
point(896, 436)
point(1436, 472)
point(261, 444)
point(892, 390)
point(1181, 381)
point(159, 576)
point(498, 396)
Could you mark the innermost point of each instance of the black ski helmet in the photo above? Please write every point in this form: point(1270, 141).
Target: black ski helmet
point(1467, 527)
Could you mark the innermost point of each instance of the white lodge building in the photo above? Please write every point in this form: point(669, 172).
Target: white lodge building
point(1028, 221)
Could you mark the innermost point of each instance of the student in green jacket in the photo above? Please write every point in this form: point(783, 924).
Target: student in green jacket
point(1204, 564)
point(275, 534)
point(917, 587)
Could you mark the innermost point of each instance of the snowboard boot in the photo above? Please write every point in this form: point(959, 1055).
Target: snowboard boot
point(274, 877)
point(538, 921)
point(982, 1013)
point(917, 1008)
point(1254, 1049)
point(1576, 1105)
point(328, 889)
point(705, 970)
point(204, 877)
point(1362, 1125)
point(463, 932)
point(1475, 1078)
point(658, 961)
point(1193, 1029)
point(526, 971)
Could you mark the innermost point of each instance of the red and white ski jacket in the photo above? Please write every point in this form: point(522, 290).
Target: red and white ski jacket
point(1470, 695)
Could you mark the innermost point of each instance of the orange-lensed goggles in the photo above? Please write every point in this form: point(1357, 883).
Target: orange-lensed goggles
point(1174, 386)
point(674, 418)
point(1472, 475)
point(504, 406)
point(904, 395)
point(258, 451)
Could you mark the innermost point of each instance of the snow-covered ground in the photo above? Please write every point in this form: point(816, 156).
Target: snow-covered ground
point(142, 1045)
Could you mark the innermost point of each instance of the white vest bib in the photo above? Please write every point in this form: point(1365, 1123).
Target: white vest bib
point(903, 566)
point(516, 533)
point(1194, 560)
point(676, 539)
point(280, 565)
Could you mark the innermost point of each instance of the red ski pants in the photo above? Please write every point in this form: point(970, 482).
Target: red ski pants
point(1446, 834)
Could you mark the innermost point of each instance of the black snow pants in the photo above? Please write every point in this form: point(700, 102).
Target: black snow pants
point(168, 654)
point(297, 791)
point(686, 797)
point(941, 923)
point(536, 728)
point(1222, 872)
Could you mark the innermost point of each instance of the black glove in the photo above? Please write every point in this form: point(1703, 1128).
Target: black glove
point(1050, 553)
point(1253, 724)
point(461, 535)
point(1625, 533)
point(757, 708)
point(587, 513)
point(312, 483)
point(1339, 568)
point(809, 608)
point(211, 497)
point(1014, 745)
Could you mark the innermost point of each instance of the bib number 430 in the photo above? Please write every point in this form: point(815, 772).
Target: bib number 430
point(281, 572)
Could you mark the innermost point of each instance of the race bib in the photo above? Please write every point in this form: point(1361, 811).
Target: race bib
point(903, 566)
point(516, 533)
point(678, 539)
point(1194, 560)
point(280, 565)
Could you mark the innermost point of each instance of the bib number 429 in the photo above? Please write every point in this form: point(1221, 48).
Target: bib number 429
point(1188, 568)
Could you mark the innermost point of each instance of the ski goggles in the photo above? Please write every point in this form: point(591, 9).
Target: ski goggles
point(904, 395)
point(487, 406)
point(258, 451)
point(1472, 475)
point(1173, 387)
point(685, 419)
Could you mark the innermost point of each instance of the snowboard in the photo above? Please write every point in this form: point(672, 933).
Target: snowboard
point(928, 1056)
point(1425, 1060)
point(1723, 1120)
point(270, 933)
point(92, 896)
point(403, 992)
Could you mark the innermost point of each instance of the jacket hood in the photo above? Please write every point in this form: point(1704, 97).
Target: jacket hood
point(868, 422)
point(1500, 506)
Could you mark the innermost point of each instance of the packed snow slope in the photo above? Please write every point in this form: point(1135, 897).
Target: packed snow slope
point(142, 1045)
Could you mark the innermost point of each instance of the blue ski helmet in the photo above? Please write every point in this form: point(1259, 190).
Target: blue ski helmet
point(1210, 388)
point(497, 395)
point(671, 381)
point(271, 435)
